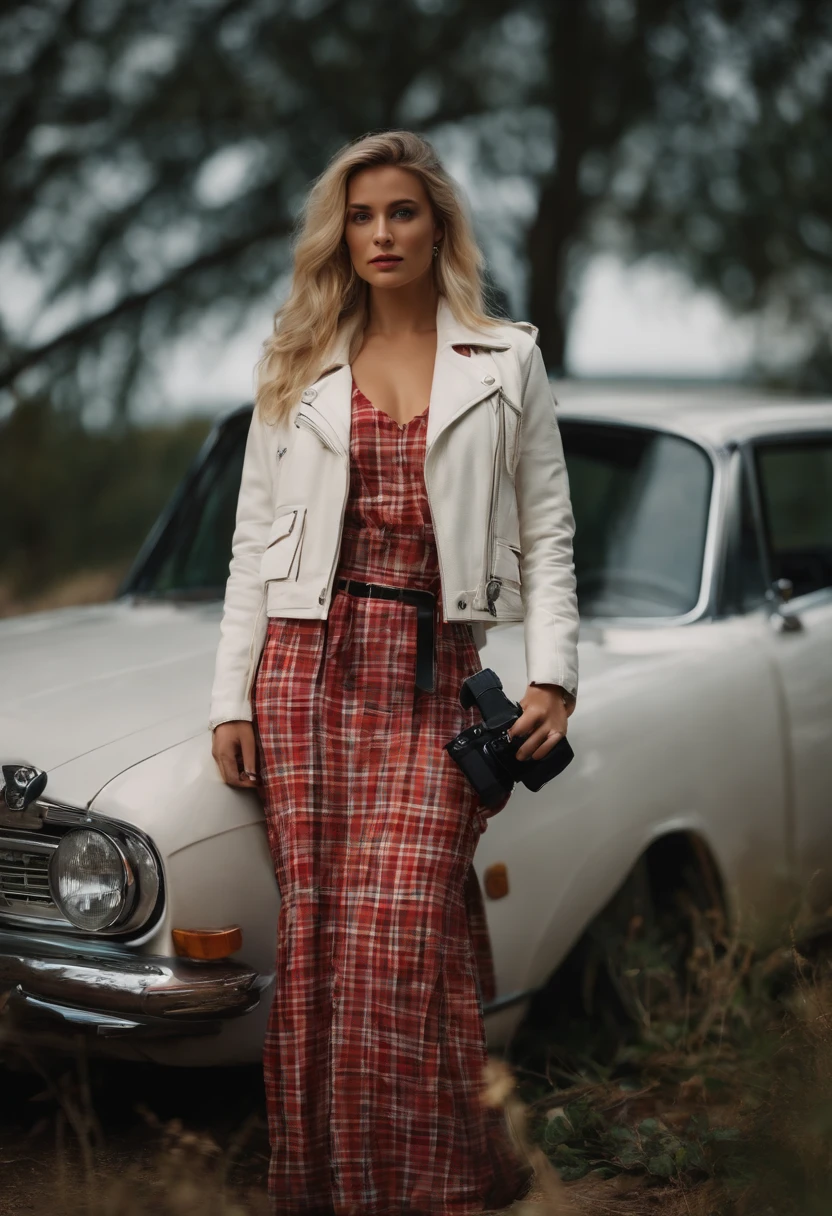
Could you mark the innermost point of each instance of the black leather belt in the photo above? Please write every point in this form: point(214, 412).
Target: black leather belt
point(425, 602)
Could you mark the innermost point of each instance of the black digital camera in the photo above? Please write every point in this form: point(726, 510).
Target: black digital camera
point(486, 754)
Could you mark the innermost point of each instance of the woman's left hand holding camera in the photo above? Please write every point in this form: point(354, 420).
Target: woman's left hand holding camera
point(546, 708)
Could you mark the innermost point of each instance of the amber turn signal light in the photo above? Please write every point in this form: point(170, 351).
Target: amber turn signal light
point(207, 943)
point(496, 880)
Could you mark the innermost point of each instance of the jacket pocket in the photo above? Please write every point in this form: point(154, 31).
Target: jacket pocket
point(281, 557)
point(506, 562)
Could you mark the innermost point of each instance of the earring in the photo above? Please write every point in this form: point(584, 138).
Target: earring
point(436, 251)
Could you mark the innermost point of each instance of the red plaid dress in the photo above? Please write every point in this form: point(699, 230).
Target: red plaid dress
point(375, 1044)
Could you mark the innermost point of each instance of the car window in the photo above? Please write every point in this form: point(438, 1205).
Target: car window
point(192, 555)
point(641, 500)
point(795, 484)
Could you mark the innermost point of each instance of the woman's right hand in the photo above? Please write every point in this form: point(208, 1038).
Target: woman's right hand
point(234, 749)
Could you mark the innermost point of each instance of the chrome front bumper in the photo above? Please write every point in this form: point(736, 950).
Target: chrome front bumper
point(111, 990)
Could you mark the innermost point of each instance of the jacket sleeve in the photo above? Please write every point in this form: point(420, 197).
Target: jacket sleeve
point(547, 526)
point(243, 617)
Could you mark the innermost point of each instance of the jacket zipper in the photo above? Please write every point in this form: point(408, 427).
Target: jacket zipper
point(428, 453)
point(339, 451)
point(482, 600)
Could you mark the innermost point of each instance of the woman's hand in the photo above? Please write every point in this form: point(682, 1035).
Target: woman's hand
point(235, 752)
point(546, 708)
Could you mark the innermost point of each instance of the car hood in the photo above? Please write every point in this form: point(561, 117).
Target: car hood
point(87, 692)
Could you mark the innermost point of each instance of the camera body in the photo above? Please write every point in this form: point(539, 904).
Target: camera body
point(486, 753)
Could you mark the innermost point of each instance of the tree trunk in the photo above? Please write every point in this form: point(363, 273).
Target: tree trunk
point(548, 242)
point(561, 206)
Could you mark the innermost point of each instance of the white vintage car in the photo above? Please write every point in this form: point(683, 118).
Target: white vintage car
point(138, 905)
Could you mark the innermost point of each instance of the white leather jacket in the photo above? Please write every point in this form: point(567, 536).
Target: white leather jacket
point(497, 488)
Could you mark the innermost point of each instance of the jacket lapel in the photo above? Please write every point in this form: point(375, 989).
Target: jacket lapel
point(331, 394)
point(459, 381)
point(331, 406)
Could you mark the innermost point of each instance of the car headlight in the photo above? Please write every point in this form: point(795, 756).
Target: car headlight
point(92, 880)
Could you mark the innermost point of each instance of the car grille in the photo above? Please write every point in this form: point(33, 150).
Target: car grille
point(24, 878)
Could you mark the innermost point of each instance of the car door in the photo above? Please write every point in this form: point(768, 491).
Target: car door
point(790, 478)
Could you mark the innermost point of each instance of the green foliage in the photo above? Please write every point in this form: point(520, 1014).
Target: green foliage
point(582, 1139)
point(75, 500)
point(721, 1076)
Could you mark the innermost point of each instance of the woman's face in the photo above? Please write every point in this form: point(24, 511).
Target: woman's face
point(388, 214)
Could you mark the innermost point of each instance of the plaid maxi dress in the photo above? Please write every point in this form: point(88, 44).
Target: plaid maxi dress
point(375, 1044)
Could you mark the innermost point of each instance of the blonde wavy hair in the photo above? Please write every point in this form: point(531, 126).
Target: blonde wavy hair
point(325, 289)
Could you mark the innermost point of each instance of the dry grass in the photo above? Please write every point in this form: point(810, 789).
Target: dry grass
point(170, 1171)
point(717, 1102)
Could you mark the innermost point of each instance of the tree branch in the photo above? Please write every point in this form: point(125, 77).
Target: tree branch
point(78, 334)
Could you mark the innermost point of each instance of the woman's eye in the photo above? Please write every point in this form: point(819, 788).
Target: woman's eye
point(360, 215)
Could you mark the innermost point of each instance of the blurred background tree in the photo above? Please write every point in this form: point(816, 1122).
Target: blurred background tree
point(155, 157)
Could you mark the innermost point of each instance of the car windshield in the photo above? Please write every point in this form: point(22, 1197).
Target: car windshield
point(187, 556)
point(640, 499)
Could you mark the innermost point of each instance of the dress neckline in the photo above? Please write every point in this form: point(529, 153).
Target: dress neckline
point(401, 425)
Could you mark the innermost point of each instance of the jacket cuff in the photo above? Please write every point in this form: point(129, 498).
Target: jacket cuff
point(568, 684)
point(230, 713)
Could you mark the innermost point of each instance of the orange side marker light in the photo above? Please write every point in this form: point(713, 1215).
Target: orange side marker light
point(207, 944)
point(496, 880)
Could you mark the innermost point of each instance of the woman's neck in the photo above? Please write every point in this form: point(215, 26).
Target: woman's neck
point(408, 310)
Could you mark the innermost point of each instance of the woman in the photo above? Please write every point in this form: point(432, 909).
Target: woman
point(403, 486)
